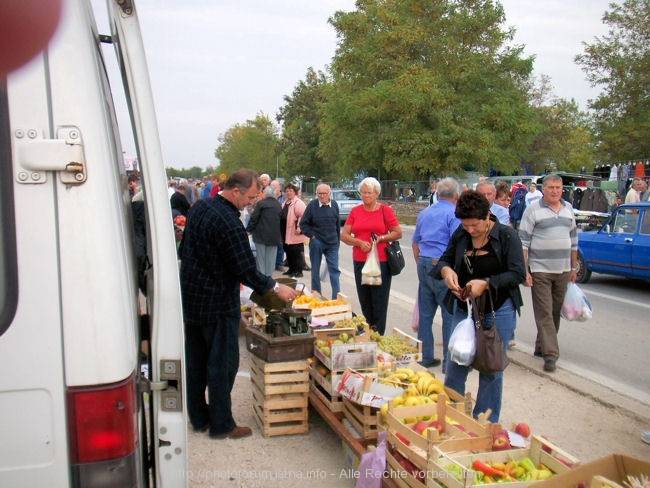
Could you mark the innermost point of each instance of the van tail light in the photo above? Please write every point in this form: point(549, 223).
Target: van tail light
point(102, 421)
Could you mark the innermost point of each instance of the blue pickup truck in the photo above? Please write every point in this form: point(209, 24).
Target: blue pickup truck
point(620, 247)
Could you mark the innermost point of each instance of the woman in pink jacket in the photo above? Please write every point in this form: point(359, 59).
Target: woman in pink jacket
point(294, 242)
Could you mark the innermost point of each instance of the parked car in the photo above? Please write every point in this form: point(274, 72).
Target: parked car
point(620, 247)
point(346, 199)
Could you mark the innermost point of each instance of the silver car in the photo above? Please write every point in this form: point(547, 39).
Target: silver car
point(346, 199)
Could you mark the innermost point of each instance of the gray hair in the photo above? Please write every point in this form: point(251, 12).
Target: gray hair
point(371, 183)
point(551, 177)
point(268, 192)
point(486, 183)
point(448, 188)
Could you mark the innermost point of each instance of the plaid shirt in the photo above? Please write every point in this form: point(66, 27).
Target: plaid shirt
point(216, 257)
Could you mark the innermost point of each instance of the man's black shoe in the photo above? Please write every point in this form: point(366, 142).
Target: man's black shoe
point(549, 365)
point(431, 364)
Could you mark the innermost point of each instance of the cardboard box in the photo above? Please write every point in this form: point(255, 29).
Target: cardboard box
point(537, 452)
point(365, 390)
point(615, 467)
point(387, 359)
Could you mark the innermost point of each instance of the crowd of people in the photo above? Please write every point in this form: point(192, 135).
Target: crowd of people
point(465, 239)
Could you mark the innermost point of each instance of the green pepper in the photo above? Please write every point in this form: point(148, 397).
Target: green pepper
point(527, 464)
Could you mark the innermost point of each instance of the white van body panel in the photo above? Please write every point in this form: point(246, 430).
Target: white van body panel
point(77, 318)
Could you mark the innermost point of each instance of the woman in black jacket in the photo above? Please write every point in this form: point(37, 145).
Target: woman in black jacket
point(482, 253)
point(264, 225)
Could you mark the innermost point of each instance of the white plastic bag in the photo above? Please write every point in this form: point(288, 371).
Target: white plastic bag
point(371, 272)
point(462, 343)
point(323, 269)
point(576, 306)
point(415, 319)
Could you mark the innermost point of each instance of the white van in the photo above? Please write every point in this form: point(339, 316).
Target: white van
point(75, 410)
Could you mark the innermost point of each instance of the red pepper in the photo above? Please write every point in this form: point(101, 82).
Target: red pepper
point(487, 470)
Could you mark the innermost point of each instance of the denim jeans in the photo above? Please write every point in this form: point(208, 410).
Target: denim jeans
point(318, 249)
point(490, 386)
point(431, 295)
point(212, 360)
point(374, 299)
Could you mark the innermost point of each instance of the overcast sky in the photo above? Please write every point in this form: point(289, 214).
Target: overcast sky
point(215, 63)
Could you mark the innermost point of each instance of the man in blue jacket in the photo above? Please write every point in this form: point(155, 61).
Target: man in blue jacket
point(320, 223)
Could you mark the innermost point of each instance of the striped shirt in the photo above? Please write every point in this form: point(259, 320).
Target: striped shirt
point(549, 237)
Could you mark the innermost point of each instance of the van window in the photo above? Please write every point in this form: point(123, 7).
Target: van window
point(8, 272)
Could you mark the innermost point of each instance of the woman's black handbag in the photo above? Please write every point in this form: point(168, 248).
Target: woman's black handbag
point(395, 258)
point(394, 255)
point(490, 355)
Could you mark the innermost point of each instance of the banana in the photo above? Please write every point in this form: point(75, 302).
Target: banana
point(407, 371)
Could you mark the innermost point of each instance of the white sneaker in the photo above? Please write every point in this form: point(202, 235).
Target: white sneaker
point(645, 437)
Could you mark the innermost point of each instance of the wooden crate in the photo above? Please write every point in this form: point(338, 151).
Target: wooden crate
point(404, 359)
point(362, 417)
point(403, 478)
point(278, 349)
point(332, 313)
point(280, 396)
point(333, 402)
point(399, 422)
point(358, 355)
point(556, 460)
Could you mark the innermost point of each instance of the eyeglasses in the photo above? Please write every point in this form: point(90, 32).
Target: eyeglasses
point(468, 263)
point(322, 194)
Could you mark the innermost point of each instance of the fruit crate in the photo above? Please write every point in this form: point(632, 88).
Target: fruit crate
point(332, 313)
point(540, 451)
point(357, 355)
point(387, 359)
point(614, 467)
point(278, 349)
point(333, 402)
point(453, 424)
point(319, 372)
point(280, 396)
point(400, 471)
point(362, 417)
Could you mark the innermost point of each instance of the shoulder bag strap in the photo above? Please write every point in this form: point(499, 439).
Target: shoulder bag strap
point(384, 217)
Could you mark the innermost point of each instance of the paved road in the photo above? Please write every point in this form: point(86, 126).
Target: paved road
point(611, 349)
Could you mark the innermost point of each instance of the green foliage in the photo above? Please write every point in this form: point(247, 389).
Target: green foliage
point(253, 145)
point(426, 87)
point(619, 62)
point(563, 140)
point(300, 132)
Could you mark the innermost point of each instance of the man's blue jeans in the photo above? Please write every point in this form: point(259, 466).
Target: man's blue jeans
point(431, 295)
point(212, 360)
point(490, 386)
point(318, 249)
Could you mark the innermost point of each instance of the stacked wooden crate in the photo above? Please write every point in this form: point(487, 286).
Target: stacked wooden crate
point(280, 396)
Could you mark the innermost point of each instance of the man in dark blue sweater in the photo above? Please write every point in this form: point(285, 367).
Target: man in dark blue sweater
point(320, 223)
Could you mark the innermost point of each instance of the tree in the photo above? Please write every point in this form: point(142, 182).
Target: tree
point(563, 139)
point(619, 62)
point(252, 145)
point(300, 131)
point(426, 87)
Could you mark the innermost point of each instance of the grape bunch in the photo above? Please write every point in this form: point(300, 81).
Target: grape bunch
point(355, 322)
point(392, 344)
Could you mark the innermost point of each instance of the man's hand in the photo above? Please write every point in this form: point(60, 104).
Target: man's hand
point(529, 279)
point(573, 275)
point(287, 293)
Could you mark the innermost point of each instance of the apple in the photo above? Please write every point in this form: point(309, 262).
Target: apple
point(419, 426)
point(436, 425)
point(425, 432)
point(500, 442)
point(523, 430)
point(403, 439)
